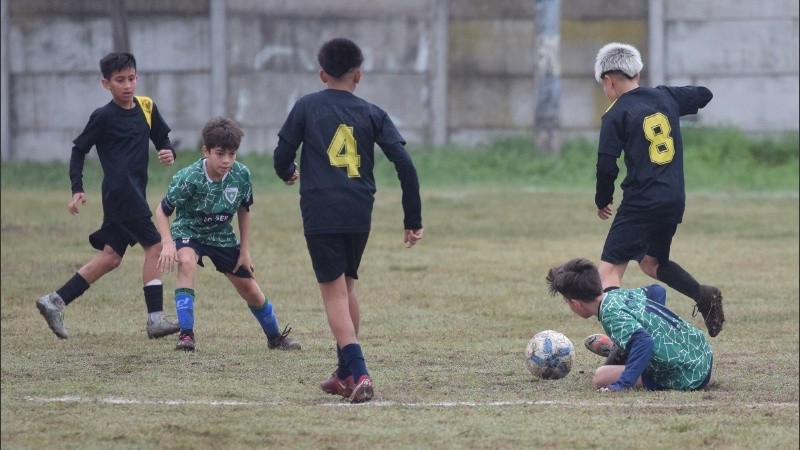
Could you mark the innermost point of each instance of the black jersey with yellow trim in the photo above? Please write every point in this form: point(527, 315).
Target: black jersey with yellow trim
point(644, 123)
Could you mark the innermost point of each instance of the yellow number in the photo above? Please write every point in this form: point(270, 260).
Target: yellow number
point(656, 130)
point(343, 151)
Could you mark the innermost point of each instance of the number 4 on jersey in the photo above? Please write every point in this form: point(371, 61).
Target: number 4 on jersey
point(343, 152)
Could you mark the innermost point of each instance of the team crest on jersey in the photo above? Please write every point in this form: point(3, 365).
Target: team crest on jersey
point(230, 194)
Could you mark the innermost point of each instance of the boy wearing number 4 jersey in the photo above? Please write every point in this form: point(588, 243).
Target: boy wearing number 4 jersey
point(644, 123)
point(338, 131)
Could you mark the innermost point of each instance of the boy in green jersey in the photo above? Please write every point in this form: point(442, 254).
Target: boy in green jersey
point(206, 195)
point(664, 351)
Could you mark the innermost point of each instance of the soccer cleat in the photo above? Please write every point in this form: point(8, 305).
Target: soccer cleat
point(185, 342)
point(617, 357)
point(162, 328)
point(336, 386)
point(283, 341)
point(710, 306)
point(363, 390)
point(599, 344)
point(53, 314)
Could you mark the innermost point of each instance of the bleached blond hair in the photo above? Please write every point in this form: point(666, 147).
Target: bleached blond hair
point(617, 56)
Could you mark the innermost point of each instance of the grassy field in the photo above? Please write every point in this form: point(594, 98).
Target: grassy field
point(444, 329)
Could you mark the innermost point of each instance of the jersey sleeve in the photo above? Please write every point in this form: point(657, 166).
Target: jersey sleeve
point(81, 147)
point(607, 172)
point(640, 349)
point(159, 131)
point(690, 99)
point(247, 200)
point(612, 135)
point(289, 138)
point(409, 183)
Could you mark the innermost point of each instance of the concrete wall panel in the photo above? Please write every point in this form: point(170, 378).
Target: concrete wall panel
point(278, 45)
point(580, 42)
point(771, 107)
point(490, 102)
point(384, 9)
point(45, 146)
point(492, 47)
point(724, 47)
point(55, 102)
point(693, 10)
point(45, 46)
point(170, 45)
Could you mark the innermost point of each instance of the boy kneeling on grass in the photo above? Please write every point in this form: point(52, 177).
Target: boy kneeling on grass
point(663, 350)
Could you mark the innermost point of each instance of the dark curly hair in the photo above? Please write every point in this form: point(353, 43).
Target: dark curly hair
point(339, 56)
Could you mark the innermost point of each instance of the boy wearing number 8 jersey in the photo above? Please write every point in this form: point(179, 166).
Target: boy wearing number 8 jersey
point(644, 123)
point(664, 351)
point(338, 132)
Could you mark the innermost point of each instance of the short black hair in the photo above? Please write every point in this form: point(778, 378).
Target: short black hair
point(114, 62)
point(222, 132)
point(339, 56)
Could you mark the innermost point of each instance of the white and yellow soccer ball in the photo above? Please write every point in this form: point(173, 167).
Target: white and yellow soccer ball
point(549, 355)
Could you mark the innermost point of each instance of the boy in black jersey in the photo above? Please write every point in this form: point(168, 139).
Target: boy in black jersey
point(121, 131)
point(338, 132)
point(645, 124)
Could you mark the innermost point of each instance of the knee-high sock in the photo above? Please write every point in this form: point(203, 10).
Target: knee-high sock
point(154, 296)
point(73, 288)
point(267, 320)
point(184, 306)
point(679, 279)
point(355, 361)
point(342, 371)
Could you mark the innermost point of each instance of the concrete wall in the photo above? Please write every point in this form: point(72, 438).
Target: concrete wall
point(445, 70)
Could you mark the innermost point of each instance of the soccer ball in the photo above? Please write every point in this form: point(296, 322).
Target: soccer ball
point(549, 355)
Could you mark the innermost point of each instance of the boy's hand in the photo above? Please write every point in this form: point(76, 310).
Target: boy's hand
point(78, 197)
point(410, 237)
point(605, 212)
point(245, 261)
point(166, 261)
point(166, 157)
point(294, 178)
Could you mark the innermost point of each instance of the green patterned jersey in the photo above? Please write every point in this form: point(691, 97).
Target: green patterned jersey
point(681, 355)
point(205, 208)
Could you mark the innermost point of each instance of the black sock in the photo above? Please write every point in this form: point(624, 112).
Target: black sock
point(73, 288)
point(342, 371)
point(355, 361)
point(154, 298)
point(679, 279)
